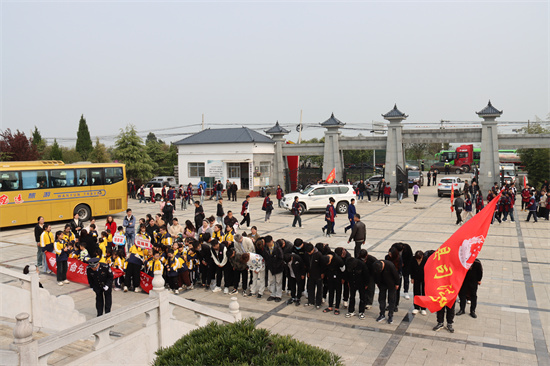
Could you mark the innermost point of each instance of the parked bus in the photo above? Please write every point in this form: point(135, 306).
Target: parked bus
point(56, 191)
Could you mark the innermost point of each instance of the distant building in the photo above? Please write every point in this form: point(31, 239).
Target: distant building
point(239, 154)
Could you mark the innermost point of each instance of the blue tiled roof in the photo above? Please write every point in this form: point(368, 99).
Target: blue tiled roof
point(277, 129)
point(489, 111)
point(395, 113)
point(224, 136)
point(332, 121)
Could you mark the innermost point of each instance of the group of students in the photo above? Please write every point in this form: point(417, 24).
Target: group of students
point(74, 241)
point(536, 202)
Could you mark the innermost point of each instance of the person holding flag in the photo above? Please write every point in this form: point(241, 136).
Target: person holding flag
point(446, 268)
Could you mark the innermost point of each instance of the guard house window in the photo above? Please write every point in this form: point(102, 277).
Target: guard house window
point(195, 169)
point(234, 170)
point(265, 167)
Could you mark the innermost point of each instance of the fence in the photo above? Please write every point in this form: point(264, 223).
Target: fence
point(160, 329)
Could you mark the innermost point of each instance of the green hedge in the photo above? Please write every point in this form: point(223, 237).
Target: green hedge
point(241, 344)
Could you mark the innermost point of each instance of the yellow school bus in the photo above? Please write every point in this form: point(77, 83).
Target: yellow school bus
point(56, 190)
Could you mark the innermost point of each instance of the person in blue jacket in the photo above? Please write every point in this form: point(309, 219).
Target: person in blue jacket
point(351, 214)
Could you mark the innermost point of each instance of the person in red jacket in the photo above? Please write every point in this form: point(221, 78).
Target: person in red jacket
point(387, 193)
point(330, 214)
point(525, 196)
point(280, 194)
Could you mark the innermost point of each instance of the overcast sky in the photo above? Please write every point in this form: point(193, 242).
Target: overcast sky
point(163, 64)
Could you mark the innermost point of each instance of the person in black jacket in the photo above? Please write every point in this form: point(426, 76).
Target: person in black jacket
point(334, 275)
point(380, 186)
point(296, 273)
point(100, 278)
point(199, 214)
point(286, 247)
point(394, 256)
point(387, 280)
point(371, 284)
point(230, 220)
point(358, 275)
point(400, 189)
point(416, 268)
point(406, 253)
point(274, 263)
point(469, 288)
point(38, 230)
point(344, 254)
point(314, 276)
point(76, 225)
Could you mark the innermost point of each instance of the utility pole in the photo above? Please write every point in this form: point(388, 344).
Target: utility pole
point(301, 128)
point(202, 129)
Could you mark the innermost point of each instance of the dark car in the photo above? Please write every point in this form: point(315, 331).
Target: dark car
point(439, 167)
point(415, 176)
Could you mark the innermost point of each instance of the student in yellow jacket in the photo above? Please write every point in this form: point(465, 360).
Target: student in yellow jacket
point(172, 270)
point(62, 250)
point(46, 243)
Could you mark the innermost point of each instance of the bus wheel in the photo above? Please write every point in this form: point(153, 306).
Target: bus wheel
point(466, 168)
point(83, 211)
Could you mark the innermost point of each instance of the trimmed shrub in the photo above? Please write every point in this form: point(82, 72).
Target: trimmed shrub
point(241, 344)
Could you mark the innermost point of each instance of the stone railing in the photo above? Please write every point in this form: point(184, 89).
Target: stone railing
point(160, 329)
point(30, 282)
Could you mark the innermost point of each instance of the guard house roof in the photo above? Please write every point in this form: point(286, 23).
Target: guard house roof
point(225, 136)
point(395, 113)
point(332, 121)
point(489, 111)
point(277, 129)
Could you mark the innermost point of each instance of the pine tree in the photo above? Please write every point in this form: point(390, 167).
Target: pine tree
point(129, 149)
point(84, 144)
point(39, 142)
point(55, 153)
point(99, 154)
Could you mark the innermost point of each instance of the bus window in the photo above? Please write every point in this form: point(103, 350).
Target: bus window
point(96, 176)
point(35, 179)
point(9, 181)
point(476, 155)
point(82, 177)
point(62, 178)
point(113, 175)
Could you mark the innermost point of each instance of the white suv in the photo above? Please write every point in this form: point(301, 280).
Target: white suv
point(445, 183)
point(315, 197)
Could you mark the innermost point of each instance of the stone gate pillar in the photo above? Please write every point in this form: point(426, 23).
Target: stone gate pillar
point(394, 146)
point(277, 134)
point(332, 157)
point(489, 161)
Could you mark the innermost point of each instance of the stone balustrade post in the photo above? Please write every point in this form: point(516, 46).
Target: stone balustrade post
point(234, 309)
point(23, 342)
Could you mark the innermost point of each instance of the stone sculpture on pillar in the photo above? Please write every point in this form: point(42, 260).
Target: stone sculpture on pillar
point(489, 161)
point(394, 145)
point(277, 134)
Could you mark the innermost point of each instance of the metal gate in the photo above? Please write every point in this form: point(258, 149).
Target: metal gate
point(402, 175)
point(306, 176)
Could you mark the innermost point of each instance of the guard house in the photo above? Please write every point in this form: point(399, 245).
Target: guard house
point(240, 155)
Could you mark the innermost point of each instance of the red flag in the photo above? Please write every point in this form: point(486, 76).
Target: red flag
point(445, 269)
point(525, 181)
point(331, 176)
point(452, 197)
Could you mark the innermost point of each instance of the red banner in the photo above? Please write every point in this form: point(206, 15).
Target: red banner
point(446, 268)
point(76, 272)
point(331, 176)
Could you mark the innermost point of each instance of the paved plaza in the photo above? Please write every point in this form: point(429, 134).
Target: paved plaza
point(513, 324)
